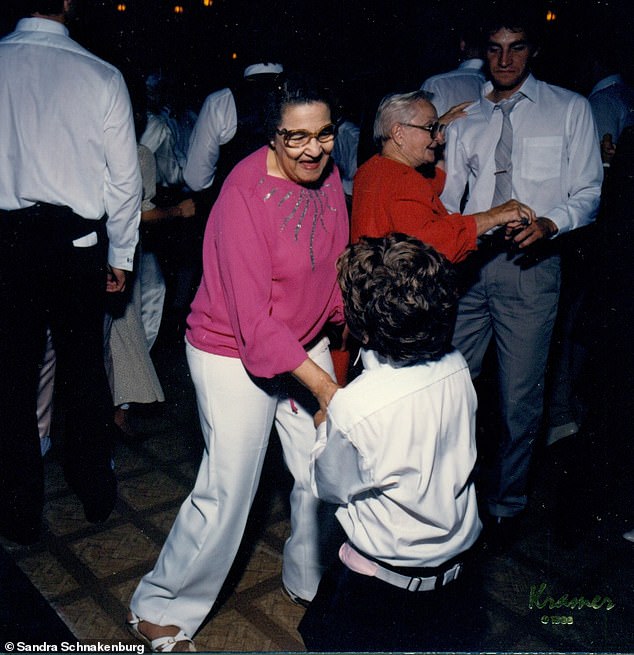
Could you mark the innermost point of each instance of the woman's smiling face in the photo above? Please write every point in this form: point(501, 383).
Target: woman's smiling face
point(305, 164)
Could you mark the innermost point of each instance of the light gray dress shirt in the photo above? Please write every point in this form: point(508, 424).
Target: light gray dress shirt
point(557, 166)
point(344, 154)
point(67, 135)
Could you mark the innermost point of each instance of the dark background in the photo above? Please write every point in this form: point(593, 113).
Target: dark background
point(360, 45)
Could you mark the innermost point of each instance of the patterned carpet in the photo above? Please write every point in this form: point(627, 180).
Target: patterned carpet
point(86, 573)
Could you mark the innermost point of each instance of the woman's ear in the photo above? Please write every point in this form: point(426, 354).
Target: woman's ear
point(396, 134)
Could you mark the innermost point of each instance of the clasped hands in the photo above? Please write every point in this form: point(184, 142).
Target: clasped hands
point(524, 227)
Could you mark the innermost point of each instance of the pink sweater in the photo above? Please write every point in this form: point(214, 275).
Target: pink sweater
point(269, 279)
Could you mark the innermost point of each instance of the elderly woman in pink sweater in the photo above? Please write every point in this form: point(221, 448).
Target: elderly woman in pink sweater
point(257, 355)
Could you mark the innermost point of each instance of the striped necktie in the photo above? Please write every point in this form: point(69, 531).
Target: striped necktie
point(503, 152)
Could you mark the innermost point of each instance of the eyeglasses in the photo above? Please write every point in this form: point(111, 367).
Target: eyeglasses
point(435, 129)
point(301, 138)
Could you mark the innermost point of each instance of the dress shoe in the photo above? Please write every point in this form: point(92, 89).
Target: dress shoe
point(21, 516)
point(121, 421)
point(97, 490)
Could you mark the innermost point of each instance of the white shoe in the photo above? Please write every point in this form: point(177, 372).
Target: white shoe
point(164, 644)
point(629, 536)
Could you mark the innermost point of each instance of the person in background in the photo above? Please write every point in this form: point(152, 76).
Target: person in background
point(395, 451)
point(611, 98)
point(229, 114)
point(67, 236)
point(176, 244)
point(612, 102)
point(169, 125)
point(258, 355)
point(537, 142)
point(345, 155)
point(392, 195)
point(348, 133)
point(463, 83)
point(132, 331)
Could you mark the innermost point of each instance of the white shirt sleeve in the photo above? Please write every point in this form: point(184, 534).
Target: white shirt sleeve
point(335, 467)
point(122, 188)
point(584, 173)
point(216, 125)
point(155, 133)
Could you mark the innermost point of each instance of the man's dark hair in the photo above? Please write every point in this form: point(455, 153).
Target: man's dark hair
point(514, 15)
point(294, 89)
point(400, 297)
point(44, 7)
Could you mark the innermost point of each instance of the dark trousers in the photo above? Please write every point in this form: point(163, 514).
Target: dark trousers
point(46, 281)
point(357, 613)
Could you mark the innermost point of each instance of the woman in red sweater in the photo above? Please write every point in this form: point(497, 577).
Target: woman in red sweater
point(391, 195)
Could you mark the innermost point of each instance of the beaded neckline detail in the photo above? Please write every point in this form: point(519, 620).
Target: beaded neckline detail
point(308, 202)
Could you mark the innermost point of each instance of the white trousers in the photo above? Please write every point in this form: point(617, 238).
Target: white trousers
point(152, 295)
point(236, 417)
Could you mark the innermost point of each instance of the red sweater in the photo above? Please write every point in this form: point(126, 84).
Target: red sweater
point(393, 197)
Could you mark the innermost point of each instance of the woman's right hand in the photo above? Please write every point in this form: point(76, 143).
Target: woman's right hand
point(512, 213)
point(318, 381)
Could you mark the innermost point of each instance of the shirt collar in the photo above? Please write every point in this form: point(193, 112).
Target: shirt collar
point(372, 360)
point(41, 25)
point(476, 64)
point(610, 80)
point(528, 89)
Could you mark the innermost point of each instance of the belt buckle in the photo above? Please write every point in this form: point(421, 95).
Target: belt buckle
point(443, 579)
point(419, 582)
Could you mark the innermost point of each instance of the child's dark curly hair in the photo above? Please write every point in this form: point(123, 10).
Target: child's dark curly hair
point(400, 297)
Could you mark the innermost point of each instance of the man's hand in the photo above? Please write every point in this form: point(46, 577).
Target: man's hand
point(541, 228)
point(115, 281)
point(187, 208)
point(512, 213)
point(608, 148)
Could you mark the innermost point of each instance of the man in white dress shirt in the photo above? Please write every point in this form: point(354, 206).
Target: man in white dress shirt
point(512, 289)
point(70, 193)
point(462, 83)
point(221, 114)
point(611, 99)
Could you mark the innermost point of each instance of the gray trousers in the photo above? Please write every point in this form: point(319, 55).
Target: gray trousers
point(516, 305)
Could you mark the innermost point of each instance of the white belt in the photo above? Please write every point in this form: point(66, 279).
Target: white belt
point(408, 582)
point(418, 584)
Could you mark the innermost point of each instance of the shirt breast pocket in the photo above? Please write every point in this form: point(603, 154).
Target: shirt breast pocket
point(541, 157)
